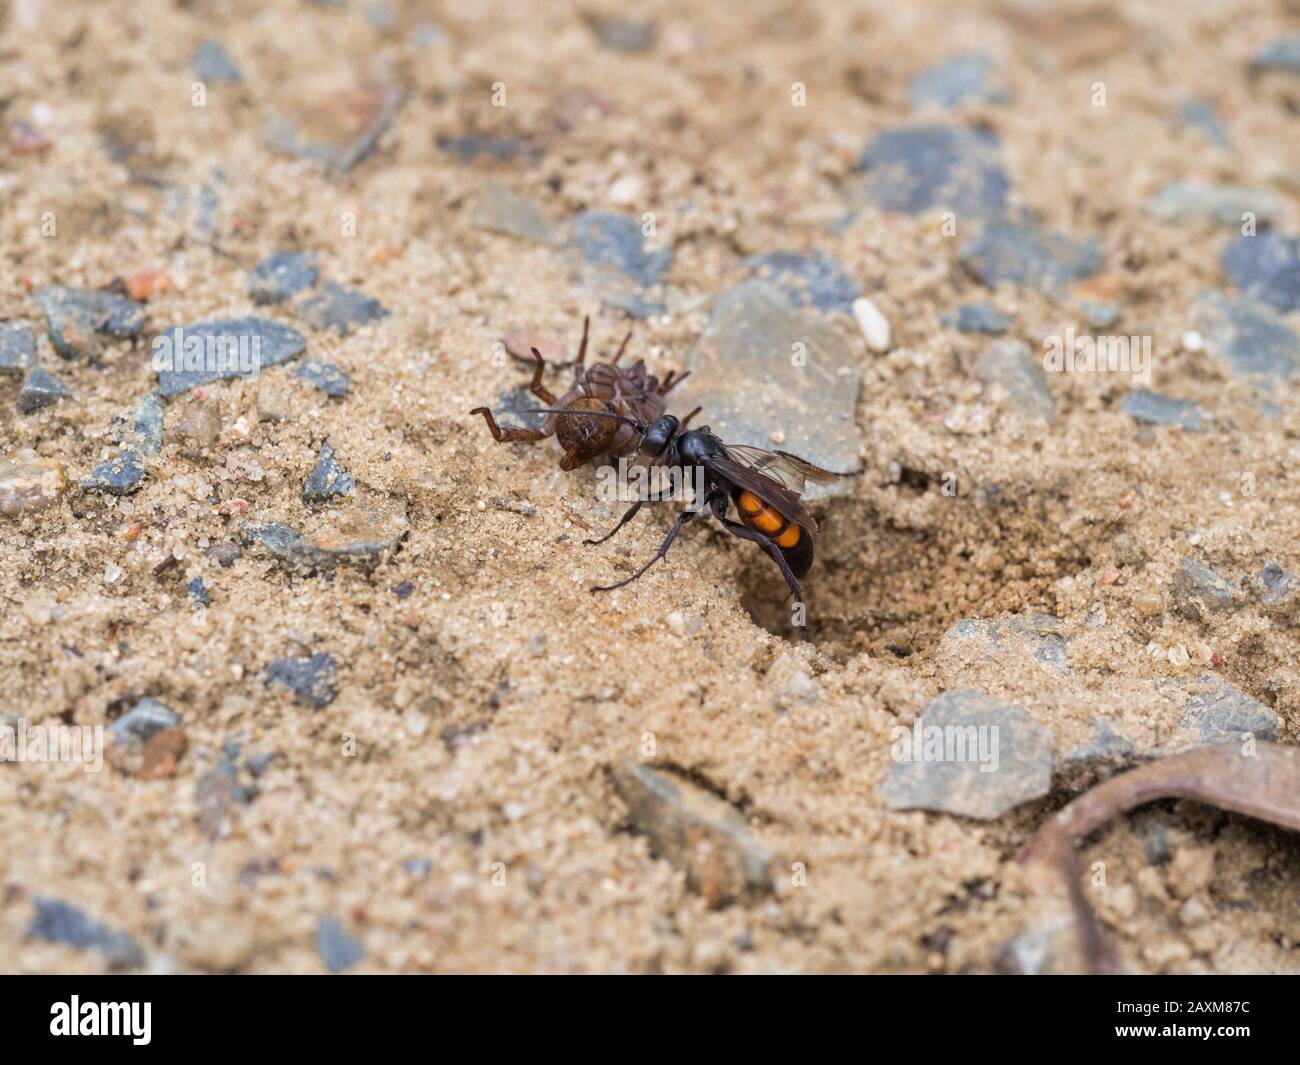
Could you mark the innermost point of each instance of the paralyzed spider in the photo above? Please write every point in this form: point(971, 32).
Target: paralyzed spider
point(603, 387)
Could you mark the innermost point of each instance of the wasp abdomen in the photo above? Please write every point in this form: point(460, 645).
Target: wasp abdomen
point(793, 540)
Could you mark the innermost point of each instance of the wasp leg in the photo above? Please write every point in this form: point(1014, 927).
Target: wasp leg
point(682, 519)
point(509, 435)
point(746, 533)
point(538, 389)
point(672, 381)
point(631, 513)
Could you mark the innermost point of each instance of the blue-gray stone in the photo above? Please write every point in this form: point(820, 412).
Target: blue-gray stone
point(202, 352)
point(340, 308)
point(76, 317)
point(147, 717)
point(916, 168)
point(1251, 337)
point(281, 275)
point(1224, 205)
point(815, 279)
point(1099, 315)
point(418, 867)
point(979, 318)
point(1022, 252)
point(311, 679)
point(145, 424)
point(338, 950)
point(212, 63)
point(40, 389)
point(1203, 115)
point(360, 536)
point(118, 476)
point(620, 34)
point(1198, 591)
point(1220, 713)
point(470, 147)
point(1278, 584)
point(198, 591)
point(950, 82)
point(615, 241)
point(328, 479)
point(57, 922)
point(1266, 267)
point(17, 346)
point(1147, 406)
point(1280, 55)
point(325, 376)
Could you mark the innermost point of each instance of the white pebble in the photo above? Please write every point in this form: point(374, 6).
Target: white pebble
point(874, 325)
point(1192, 341)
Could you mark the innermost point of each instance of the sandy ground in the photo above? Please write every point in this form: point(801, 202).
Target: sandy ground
point(461, 804)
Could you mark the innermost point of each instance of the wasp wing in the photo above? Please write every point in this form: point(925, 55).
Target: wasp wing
point(769, 489)
point(790, 470)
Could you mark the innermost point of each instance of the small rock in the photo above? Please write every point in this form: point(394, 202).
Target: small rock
point(78, 317)
point(1216, 712)
point(614, 243)
point(762, 366)
point(1223, 205)
point(979, 318)
point(1023, 253)
point(1099, 315)
point(338, 950)
point(340, 309)
point(1146, 406)
point(1279, 586)
point(954, 80)
point(1281, 55)
point(1266, 267)
point(916, 168)
point(1193, 913)
point(1251, 337)
point(501, 210)
point(142, 721)
point(57, 922)
point(1197, 591)
point(815, 279)
point(418, 867)
point(118, 476)
point(328, 479)
point(17, 346)
point(470, 147)
point(200, 424)
point(325, 376)
point(620, 34)
point(874, 325)
point(211, 63)
point(142, 426)
point(1203, 115)
point(198, 591)
point(1010, 365)
point(311, 679)
point(197, 354)
point(697, 832)
point(970, 755)
point(29, 484)
point(1128, 551)
point(360, 535)
point(281, 275)
point(40, 389)
point(1018, 637)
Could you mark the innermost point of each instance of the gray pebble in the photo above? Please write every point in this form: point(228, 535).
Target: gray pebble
point(979, 318)
point(198, 591)
point(340, 309)
point(57, 922)
point(1220, 713)
point(620, 34)
point(325, 376)
point(203, 352)
point(1278, 585)
point(502, 210)
point(1265, 267)
point(147, 717)
point(1023, 253)
point(470, 147)
point(1198, 591)
point(1223, 205)
point(814, 279)
point(78, 317)
point(327, 479)
point(311, 679)
point(212, 63)
point(40, 389)
point(144, 425)
point(338, 950)
point(1203, 115)
point(1281, 55)
point(1011, 365)
point(615, 242)
point(917, 168)
point(953, 81)
point(951, 773)
point(118, 476)
point(1249, 336)
point(1147, 406)
point(1099, 315)
point(17, 346)
point(281, 275)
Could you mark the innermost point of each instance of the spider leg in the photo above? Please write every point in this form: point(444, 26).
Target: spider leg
point(672, 381)
point(582, 348)
point(538, 389)
point(508, 434)
point(621, 348)
point(682, 519)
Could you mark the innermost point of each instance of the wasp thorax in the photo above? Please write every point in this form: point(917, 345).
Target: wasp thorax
point(582, 437)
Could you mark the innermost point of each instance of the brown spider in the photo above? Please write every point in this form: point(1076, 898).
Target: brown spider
point(604, 386)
